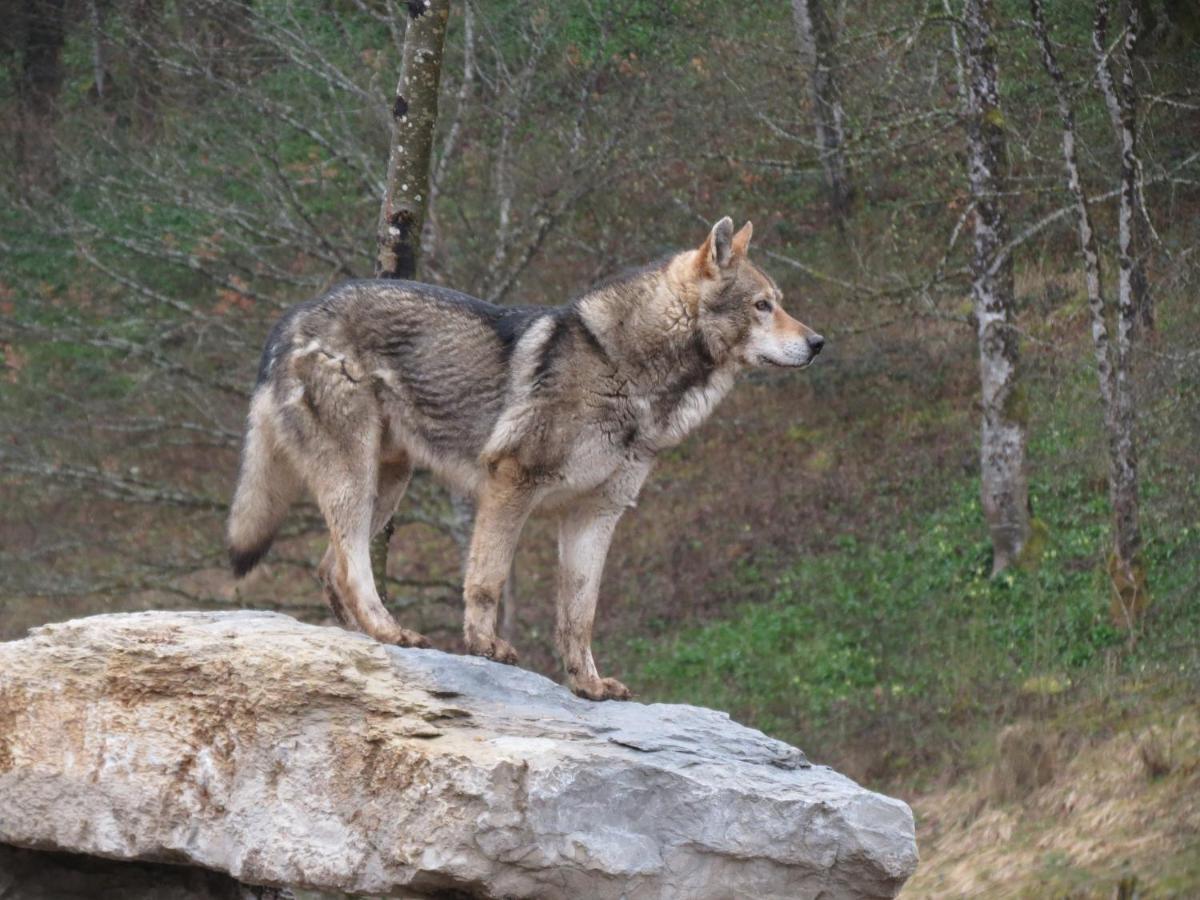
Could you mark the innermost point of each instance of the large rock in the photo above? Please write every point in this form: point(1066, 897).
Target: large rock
point(286, 754)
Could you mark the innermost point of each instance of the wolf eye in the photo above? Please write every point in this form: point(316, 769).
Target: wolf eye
point(763, 305)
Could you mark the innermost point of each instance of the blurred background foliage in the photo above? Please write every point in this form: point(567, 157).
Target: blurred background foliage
point(815, 559)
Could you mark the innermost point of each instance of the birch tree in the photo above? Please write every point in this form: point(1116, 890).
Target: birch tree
point(1124, 567)
point(814, 33)
point(406, 191)
point(1005, 492)
point(1120, 97)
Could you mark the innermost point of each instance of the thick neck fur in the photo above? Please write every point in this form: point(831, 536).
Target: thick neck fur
point(649, 324)
point(652, 332)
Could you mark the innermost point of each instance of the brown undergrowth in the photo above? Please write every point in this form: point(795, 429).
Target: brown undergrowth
point(1100, 794)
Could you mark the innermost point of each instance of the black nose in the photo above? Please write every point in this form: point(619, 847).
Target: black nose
point(816, 342)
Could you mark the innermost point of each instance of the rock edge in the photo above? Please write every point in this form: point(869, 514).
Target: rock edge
point(289, 754)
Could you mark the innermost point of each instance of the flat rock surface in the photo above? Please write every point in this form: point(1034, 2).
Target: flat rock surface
point(289, 754)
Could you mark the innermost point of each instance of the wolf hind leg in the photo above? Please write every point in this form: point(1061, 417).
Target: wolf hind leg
point(391, 485)
point(349, 498)
point(330, 589)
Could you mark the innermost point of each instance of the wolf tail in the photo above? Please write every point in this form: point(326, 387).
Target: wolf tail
point(266, 488)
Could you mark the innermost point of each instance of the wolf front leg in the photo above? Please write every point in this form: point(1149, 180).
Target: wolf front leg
point(584, 535)
point(503, 506)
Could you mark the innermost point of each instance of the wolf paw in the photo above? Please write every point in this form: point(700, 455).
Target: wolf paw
point(403, 637)
point(493, 648)
point(601, 689)
point(409, 638)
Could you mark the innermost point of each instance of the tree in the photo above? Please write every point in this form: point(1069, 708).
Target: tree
point(41, 62)
point(814, 31)
point(148, 32)
point(1005, 492)
point(1132, 305)
point(1120, 96)
point(406, 192)
point(414, 116)
point(96, 22)
point(41, 26)
point(1113, 359)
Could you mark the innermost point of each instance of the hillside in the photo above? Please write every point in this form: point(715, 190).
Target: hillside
point(816, 559)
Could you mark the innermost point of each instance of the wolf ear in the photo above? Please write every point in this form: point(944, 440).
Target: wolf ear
point(741, 240)
point(717, 250)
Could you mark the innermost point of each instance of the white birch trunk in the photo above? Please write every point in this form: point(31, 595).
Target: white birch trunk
point(814, 33)
point(1101, 343)
point(1121, 100)
point(1125, 569)
point(1004, 489)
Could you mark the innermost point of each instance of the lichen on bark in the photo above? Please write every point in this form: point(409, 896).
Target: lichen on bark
point(1004, 489)
point(414, 115)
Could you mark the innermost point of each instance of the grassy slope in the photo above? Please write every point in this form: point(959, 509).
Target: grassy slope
point(872, 631)
point(866, 655)
point(1098, 791)
point(804, 560)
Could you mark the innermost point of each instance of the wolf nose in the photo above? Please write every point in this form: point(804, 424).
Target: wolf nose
point(816, 342)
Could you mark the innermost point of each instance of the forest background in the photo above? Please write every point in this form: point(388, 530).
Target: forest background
point(827, 559)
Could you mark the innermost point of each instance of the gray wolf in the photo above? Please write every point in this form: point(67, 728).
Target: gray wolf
point(561, 408)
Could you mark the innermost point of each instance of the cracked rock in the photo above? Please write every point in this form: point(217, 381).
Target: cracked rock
point(285, 754)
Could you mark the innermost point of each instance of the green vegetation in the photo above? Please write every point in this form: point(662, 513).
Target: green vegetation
point(910, 629)
point(814, 560)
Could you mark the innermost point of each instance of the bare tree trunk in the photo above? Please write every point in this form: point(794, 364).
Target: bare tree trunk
point(814, 32)
point(40, 81)
point(511, 114)
point(1121, 99)
point(1087, 235)
point(41, 62)
point(1005, 493)
point(414, 115)
point(1125, 569)
point(406, 192)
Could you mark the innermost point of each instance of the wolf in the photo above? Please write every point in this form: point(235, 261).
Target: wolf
point(559, 408)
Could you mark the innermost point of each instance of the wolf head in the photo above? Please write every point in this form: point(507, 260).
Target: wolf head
point(739, 307)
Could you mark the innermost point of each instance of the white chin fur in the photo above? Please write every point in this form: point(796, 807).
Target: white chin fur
point(785, 364)
point(785, 354)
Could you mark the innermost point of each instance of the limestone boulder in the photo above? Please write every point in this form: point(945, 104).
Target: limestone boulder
point(285, 754)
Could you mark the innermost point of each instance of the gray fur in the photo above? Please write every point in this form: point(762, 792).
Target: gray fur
point(563, 408)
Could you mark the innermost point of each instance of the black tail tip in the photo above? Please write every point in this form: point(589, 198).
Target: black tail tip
point(242, 561)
